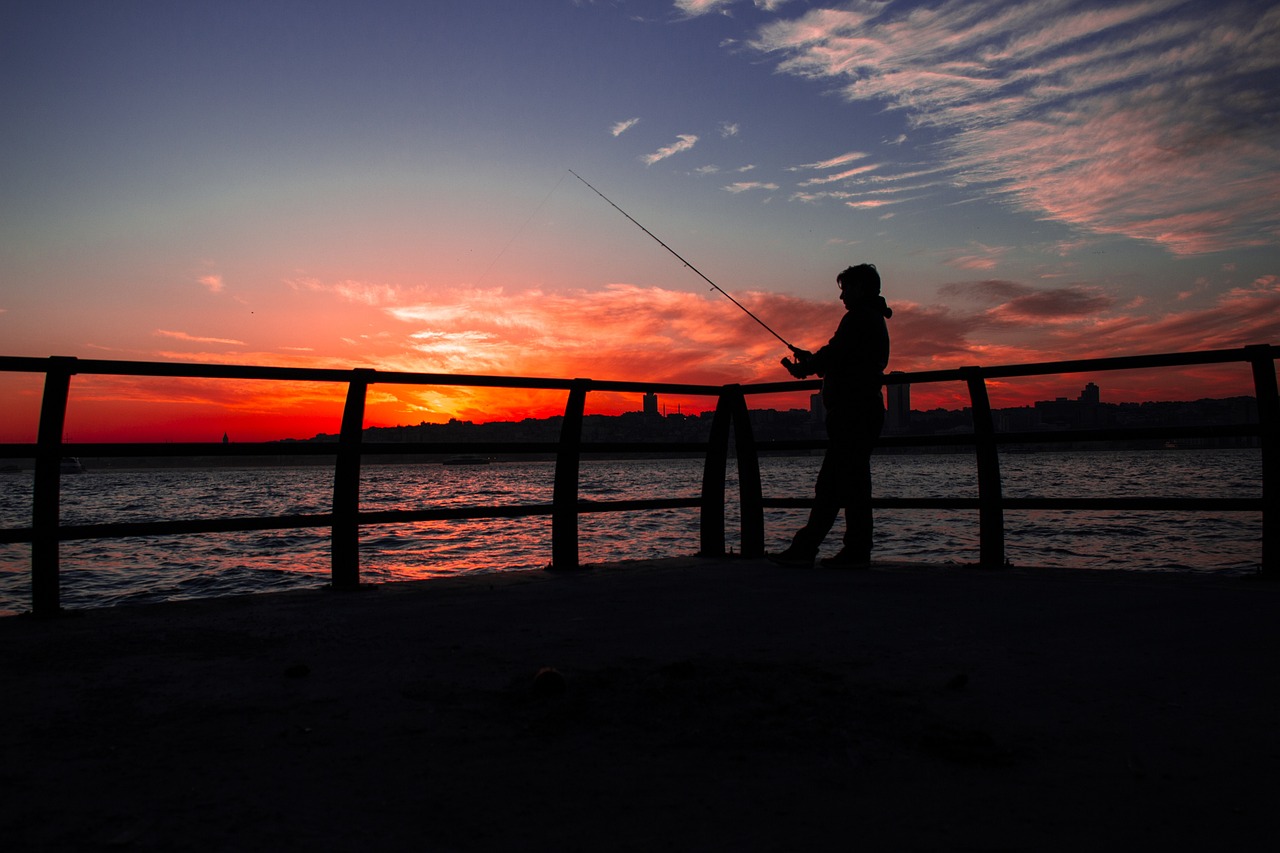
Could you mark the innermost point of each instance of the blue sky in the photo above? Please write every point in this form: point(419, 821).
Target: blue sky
point(386, 183)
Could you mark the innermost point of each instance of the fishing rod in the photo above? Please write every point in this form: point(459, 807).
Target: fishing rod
point(714, 286)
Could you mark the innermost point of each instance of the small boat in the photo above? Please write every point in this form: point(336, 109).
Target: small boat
point(467, 459)
point(71, 465)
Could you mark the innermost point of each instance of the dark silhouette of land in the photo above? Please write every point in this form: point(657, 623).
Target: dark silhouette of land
point(805, 424)
point(676, 705)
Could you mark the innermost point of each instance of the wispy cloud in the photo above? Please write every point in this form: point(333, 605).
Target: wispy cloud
point(747, 186)
point(183, 336)
point(683, 142)
point(842, 160)
point(623, 126)
point(979, 257)
point(729, 129)
point(1139, 118)
point(694, 8)
point(212, 282)
point(360, 292)
point(840, 176)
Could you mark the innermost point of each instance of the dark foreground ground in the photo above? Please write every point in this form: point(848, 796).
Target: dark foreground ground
point(696, 705)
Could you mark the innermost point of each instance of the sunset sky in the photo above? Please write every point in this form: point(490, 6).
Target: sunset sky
point(386, 184)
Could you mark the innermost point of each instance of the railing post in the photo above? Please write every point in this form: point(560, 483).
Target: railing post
point(46, 501)
point(345, 568)
point(750, 499)
point(1263, 362)
point(990, 493)
point(711, 519)
point(731, 411)
point(564, 497)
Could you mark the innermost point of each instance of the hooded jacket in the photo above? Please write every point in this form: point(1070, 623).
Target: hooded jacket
point(853, 362)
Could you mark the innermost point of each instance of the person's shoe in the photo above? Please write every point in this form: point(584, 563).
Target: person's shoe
point(847, 559)
point(792, 557)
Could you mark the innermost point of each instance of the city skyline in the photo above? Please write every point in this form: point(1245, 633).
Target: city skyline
point(388, 185)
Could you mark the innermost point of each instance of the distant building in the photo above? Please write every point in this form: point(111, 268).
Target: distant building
point(651, 403)
point(1084, 411)
point(817, 411)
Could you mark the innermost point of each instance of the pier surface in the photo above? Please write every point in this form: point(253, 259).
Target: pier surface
point(694, 705)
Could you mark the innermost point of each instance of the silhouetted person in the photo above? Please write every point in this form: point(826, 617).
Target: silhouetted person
point(852, 368)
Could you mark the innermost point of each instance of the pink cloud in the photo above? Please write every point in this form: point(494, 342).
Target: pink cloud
point(1133, 119)
point(683, 142)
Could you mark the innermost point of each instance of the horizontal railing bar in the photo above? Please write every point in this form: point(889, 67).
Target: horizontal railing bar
point(1097, 504)
point(585, 506)
point(1046, 368)
point(165, 369)
point(1153, 504)
point(129, 529)
point(22, 364)
point(400, 516)
point(1128, 362)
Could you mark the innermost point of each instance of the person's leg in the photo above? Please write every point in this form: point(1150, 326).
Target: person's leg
point(830, 494)
point(828, 498)
point(859, 518)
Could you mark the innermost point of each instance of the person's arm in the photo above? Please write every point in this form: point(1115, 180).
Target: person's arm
point(837, 350)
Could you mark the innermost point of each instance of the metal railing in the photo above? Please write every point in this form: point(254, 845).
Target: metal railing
point(730, 419)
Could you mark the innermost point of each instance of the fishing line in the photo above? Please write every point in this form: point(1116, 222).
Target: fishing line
point(518, 232)
point(714, 286)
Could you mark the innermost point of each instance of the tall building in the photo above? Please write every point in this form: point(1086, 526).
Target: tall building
point(817, 411)
point(651, 403)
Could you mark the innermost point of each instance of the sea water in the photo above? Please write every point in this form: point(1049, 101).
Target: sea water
point(106, 572)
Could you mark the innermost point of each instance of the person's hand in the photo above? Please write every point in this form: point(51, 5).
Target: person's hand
point(795, 368)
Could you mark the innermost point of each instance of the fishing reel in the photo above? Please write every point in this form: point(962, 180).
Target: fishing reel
point(799, 368)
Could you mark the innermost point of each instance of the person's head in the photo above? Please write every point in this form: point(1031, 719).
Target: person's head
point(861, 284)
point(862, 280)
